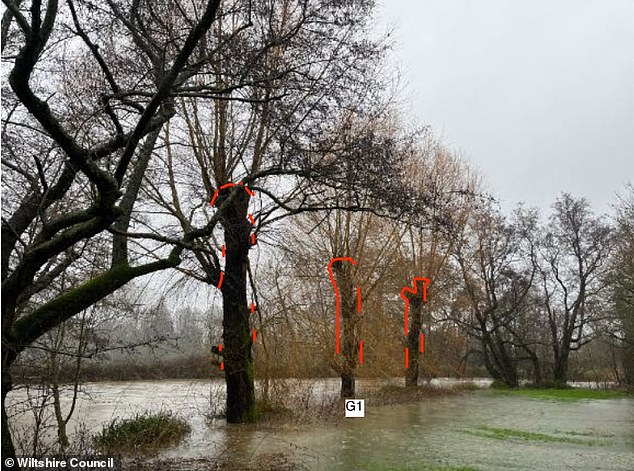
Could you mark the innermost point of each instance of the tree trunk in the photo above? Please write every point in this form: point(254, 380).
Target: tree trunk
point(498, 361)
point(628, 347)
point(239, 374)
point(628, 363)
point(507, 362)
point(538, 379)
point(8, 450)
point(62, 436)
point(413, 341)
point(560, 370)
point(349, 321)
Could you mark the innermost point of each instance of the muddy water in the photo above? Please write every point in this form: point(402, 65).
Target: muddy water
point(453, 431)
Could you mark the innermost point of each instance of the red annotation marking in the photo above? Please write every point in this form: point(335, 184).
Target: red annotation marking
point(251, 218)
point(361, 352)
point(224, 249)
point(422, 343)
point(337, 298)
point(403, 296)
point(413, 291)
point(229, 185)
point(359, 300)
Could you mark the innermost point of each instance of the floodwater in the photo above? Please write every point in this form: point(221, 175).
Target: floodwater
point(481, 429)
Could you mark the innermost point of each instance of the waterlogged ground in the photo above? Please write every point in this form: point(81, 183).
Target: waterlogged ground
point(481, 430)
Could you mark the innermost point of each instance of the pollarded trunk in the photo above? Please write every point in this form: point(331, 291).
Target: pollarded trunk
point(413, 342)
point(349, 321)
point(238, 360)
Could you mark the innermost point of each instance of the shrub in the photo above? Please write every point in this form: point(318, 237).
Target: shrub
point(145, 432)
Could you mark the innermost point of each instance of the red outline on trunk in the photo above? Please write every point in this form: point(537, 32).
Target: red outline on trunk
point(413, 290)
point(337, 298)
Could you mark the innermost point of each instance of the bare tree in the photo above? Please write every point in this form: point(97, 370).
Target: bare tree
point(622, 281)
point(573, 265)
point(429, 238)
point(497, 278)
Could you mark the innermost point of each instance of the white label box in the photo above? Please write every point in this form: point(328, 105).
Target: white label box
point(355, 407)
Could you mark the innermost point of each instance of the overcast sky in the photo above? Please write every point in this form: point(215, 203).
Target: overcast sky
point(536, 94)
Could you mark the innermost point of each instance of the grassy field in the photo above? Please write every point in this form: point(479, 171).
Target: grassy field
point(571, 394)
point(499, 433)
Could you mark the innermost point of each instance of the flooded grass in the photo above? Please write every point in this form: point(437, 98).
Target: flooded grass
point(568, 395)
point(145, 433)
point(300, 407)
point(393, 467)
point(393, 394)
point(498, 433)
point(262, 462)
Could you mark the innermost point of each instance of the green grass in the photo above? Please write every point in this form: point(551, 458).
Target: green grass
point(568, 395)
point(498, 433)
point(143, 433)
point(412, 467)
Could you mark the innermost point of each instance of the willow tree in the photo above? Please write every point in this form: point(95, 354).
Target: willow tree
point(90, 85)
point(429, 239)
point(326, 294)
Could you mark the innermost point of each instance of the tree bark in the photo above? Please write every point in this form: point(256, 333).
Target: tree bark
point(413, 341)
point(560, 370)
point(627, 315)
point(497, 360)
point(538, 378)
point(8, 450)
point(628, 362)
point(349, 321)
point(239, 374)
